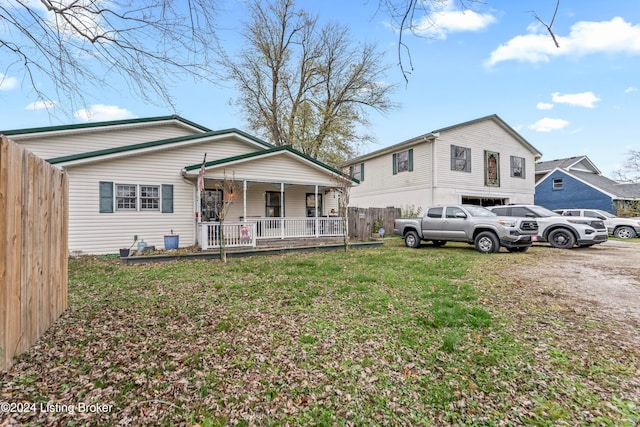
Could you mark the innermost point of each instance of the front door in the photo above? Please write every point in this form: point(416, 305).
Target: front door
point(311, 205)
point(211, 203)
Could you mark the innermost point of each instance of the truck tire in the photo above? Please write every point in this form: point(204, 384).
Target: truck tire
point(487, 242)
point(561, 238)
point(439, 243)
point(412, 240)
point(624, 232)
point(519, 249)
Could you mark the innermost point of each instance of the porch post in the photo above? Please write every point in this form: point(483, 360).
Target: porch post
point(281, 210)
point(244, 200)
point(316, 210)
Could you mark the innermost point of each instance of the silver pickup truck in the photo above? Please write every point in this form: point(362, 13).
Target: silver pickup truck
point(468, 223)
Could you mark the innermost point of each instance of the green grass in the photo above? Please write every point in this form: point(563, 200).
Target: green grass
point(368, 337)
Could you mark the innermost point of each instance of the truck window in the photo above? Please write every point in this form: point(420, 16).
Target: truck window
point(434, 213)
point(452, 211)
point(501, 211)
point(518, 211)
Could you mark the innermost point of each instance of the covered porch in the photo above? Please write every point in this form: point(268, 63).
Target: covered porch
point(257, 214)
point(266, 200)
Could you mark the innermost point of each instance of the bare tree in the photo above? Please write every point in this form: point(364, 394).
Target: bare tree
point(413, 15)
point(78, 44)
point(630, 173)
point(306, 85)
point(230, 189)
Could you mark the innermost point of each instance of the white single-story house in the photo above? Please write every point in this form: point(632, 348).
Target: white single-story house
point(482, 161)
point(141, 177)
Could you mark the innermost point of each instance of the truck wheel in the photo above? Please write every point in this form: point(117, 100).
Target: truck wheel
point(412, 240)
point(487, 242)
point(561, 238)
point(439, 243)
point(519, 249)
point(624, 233)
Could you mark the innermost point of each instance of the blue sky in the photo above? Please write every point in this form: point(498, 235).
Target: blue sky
point(580, 99)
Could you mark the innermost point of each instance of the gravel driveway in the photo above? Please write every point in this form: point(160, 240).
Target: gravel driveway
point(602, 281)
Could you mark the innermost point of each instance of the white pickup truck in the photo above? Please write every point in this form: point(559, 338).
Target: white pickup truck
point(468, 223)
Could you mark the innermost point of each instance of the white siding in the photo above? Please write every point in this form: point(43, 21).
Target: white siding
point(93, 232)
point(381, 188)
point(481, 136)
point(86, 140)
point(421, 188)
point(279, 167)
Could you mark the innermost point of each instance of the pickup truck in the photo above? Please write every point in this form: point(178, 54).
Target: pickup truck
point(468, 223)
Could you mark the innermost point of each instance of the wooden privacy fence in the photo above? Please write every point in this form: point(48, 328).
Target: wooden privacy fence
point(33, 248)
point(364, 222)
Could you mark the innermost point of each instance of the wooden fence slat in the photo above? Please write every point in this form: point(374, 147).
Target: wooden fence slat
point(362, 221)
point(4, 288)
point(13, 244)
point(33, 248)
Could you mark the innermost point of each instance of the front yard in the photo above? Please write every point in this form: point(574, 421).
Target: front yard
point(383, 336)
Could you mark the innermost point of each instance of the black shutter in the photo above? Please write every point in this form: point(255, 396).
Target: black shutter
point(361, 172)
point(167, 198)
point(106, 197)
point(395, 163)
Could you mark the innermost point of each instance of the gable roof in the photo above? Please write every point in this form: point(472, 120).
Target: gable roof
point(502, 124)
point(269, 152)
point(108, 124)
point(605, 185)
point(578, 163)
point(151, 145)
point(431, 136)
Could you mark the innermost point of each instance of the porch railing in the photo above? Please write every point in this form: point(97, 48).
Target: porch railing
point(237, 234)
point(288, 228)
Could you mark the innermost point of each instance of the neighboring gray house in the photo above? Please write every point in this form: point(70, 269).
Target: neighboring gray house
point(141, 177)
point(576, 182)
point(482, 161)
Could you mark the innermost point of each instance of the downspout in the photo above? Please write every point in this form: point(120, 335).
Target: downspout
point(434, 175)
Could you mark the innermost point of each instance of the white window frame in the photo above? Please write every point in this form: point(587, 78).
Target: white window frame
point(140, 202)
point(404, 162)
point(145, 199)
point(522, 165)
point(126, 197)
point(557, 183)
point(460, 156)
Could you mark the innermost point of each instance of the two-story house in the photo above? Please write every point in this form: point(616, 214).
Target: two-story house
point(482, 161)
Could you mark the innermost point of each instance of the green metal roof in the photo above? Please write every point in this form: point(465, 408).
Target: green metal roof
point(133, 147)
point(267, 152)
point(94, 125)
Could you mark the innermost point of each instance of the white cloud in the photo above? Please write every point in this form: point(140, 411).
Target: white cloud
point(548, 125)
point(40, 105)
point(584, 99)
point(101, 112)
point(631, 89)
point(449, 19)
point(7, 83)
point(615, 36)
point(544, 106)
